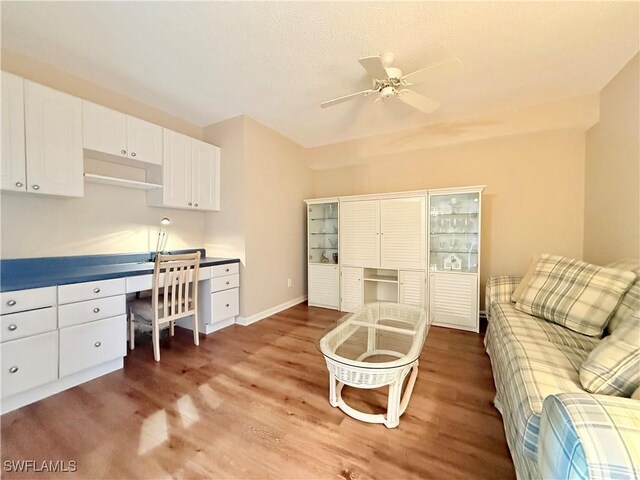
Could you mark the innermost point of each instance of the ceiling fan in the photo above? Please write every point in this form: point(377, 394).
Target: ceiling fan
point(389, 82)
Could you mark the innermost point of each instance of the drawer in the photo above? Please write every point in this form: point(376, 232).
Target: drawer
point(227, 269)
point(225, 283)
point(26, 324)
point(224, 305)
point(22, 300)
point(78, 292)
point(83, 312)
point(28, 363)
point(141, 283)
point(91, 344)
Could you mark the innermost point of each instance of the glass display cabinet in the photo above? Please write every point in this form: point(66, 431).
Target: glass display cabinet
point(323, 243)
point(454, 256)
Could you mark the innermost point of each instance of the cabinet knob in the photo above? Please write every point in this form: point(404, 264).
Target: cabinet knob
point(227, 305)
point(19, 184)
point(124, 152)
point(226, 270)
point(13, 327)
point(11, 303)
point(97, 344)
point(133, 154)
point(96, 310)
point(36, 187)
point(227, 282)
point(196, 205)
point(96, 290)
point(189, 204)
point(13, 369)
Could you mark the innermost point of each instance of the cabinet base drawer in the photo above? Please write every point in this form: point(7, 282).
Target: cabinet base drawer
point(91, 344)
point(29, 362)
point(226, 269)
point(22, 300)
point(224, 305)
point(25, 324)
point(225, 283)
point(90, 310)
point(78, 292)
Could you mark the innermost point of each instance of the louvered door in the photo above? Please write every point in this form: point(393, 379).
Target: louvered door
point(360, 233)
point(453, 300)
point(402, 233)
point(351, 288)
point(323, 286)
point(412, 288)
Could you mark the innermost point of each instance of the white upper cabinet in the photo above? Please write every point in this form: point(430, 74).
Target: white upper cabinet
point(113, 133)
point(144, 141)
point(13, 175)
point(190, 174)
point(388, 233)
point(403, 232)
point(53, 133)
point(205, 175)
point(360, 233)
point(104, 130)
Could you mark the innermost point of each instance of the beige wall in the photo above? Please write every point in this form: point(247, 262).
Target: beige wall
point(108, 219)
point(533, 201)
point(262, 219)
point(612, 174)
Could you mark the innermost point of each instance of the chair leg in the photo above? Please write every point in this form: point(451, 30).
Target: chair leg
point(196, 337)
point(172, 328)
point(132, 330)
point(156, 341)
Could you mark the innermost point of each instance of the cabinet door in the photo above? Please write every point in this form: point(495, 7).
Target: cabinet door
point(453, 300)
point(412, 288)
point(53, 130)
point(177, 170)
point(402, 233)
point(360, 233)
point(324, 286)
point(144, 141)
point(13, 174)
point(205, 176)
point(351, 288)
point(104, 130)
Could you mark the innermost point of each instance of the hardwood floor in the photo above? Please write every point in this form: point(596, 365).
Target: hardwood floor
point(252, 402)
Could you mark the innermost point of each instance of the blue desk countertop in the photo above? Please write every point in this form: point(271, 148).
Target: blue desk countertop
point(25, 273)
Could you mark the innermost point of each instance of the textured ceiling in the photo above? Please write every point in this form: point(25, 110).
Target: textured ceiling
point(276, 61)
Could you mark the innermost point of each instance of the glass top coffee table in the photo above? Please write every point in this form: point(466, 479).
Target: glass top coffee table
point(377, 345)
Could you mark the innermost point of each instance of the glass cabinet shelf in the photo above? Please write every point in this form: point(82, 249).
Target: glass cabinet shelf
point(322, 229)
point(323, 218)
point(324, 233)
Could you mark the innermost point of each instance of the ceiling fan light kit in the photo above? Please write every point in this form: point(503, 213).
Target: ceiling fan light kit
point(388, 81)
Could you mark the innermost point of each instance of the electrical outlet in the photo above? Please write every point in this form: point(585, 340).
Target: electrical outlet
point(289, 282)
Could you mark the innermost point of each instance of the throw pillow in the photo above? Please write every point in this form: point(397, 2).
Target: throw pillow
point(574, 294)
point(613, 367)
point(524, 283)
point(631, 300)
point(636, 394)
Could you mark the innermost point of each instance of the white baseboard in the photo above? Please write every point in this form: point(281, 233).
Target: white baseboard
point(270, 311)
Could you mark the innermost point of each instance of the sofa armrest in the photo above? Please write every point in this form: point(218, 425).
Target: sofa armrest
point(499, 290)
point(589, 436)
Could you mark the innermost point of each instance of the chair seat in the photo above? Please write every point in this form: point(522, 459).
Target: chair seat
point(141, 307)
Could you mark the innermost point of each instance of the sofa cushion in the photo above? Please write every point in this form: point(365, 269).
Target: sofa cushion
point(613, 367)
point(574, 294)
point(524, 283)
point(530, 362)
point(630, 301)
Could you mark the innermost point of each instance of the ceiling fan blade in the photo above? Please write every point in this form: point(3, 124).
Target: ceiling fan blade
point(375, 67)
point(415, 100)
point(447, 69)
point(328, 103)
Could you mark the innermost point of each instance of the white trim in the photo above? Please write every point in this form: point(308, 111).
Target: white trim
point(270, 311)
point(38, 393)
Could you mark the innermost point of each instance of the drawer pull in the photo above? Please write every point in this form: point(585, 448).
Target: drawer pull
point(96, 290)
point(226, 270)
point(11, 303)
point(13, 327)
point(13, 369)
point(227, 282)
point(97, 344)
point(96, 310)
point(227, 305)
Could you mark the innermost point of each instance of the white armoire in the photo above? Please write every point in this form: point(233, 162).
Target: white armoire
point(419, 248)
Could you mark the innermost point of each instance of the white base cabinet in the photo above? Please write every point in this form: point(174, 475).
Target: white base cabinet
point(351, 289)
point(413, 288)
point(453, 300)
point(323, 286)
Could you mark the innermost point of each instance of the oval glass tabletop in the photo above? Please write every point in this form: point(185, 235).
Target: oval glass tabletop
point(377, 335)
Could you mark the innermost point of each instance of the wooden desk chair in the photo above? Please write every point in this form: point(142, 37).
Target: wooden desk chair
point(174, 295)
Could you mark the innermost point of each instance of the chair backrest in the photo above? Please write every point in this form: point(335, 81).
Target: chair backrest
point(175, 286)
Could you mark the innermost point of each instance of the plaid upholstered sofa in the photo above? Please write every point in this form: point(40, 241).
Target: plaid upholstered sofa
point(554, 428)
